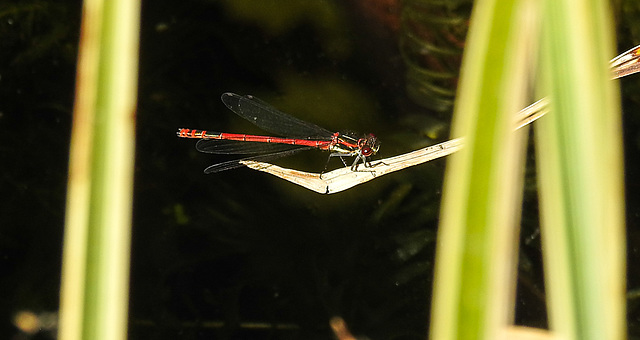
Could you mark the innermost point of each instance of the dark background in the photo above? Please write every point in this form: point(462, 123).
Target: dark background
point(213, 253)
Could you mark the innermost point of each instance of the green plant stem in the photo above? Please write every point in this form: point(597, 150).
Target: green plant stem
point(579, 158)
point(476, 253)
point(95, 273)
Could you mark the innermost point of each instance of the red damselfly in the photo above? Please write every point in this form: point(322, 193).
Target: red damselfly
point(296, 135)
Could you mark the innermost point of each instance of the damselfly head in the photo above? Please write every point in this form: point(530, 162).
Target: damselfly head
point(369, 145)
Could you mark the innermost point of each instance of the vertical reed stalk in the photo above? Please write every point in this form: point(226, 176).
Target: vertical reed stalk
point(476, 254)
point(95, 273)
point(579, 158)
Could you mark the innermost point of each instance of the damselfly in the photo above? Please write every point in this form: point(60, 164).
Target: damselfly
point(298, 136)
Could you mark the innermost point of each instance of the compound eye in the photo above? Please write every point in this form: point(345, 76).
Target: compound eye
point(366, 151)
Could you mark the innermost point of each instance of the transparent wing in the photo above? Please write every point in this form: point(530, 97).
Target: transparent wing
point(229, 147)
point(233, 164)
point(270, 119)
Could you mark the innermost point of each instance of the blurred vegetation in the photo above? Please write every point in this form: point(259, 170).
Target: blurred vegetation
point(431, 39)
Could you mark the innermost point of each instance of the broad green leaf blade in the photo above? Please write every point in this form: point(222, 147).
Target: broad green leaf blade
point(95, 273)
point(579, 155)
point(477, 239)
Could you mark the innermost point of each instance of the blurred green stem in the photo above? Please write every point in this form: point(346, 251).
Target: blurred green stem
point(95, 273)
point(476, 254)
point(579, 158)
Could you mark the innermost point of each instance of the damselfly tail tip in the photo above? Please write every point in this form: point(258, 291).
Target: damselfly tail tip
point(191, 133)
